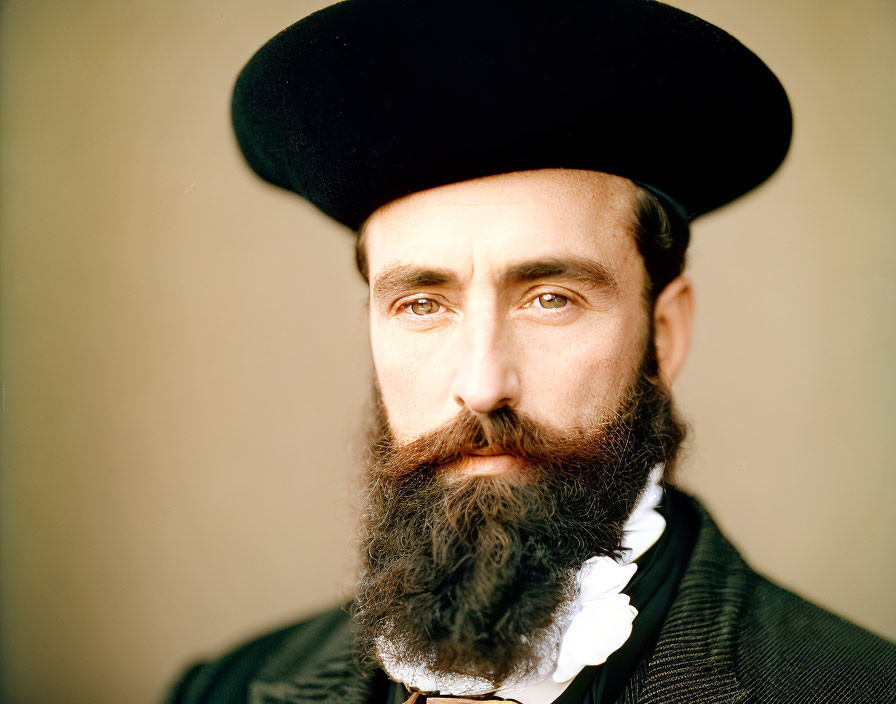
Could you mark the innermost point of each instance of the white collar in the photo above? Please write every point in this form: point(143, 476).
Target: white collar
point(588, 631)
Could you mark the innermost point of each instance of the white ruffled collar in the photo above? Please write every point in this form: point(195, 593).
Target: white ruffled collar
point(589, 630)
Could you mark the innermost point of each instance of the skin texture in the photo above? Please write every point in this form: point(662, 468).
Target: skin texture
point(521, 290)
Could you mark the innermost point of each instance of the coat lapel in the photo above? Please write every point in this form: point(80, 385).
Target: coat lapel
point(693, 659)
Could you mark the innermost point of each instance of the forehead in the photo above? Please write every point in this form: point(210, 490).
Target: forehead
point(493, 221)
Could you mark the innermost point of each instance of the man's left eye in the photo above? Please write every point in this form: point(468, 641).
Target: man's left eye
point(552, 300)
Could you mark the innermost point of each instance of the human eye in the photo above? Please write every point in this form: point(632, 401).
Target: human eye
point(551, 306)
point(420, 307)
point(548, 301)
point(551, 301)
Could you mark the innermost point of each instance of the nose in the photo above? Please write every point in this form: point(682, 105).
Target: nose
point(486, 377)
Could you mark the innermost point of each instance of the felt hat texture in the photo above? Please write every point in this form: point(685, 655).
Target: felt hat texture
point(366, 101)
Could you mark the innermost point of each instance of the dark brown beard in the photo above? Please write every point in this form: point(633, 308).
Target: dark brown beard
point(458, 569)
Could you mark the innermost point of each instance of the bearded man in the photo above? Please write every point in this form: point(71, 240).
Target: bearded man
point(521, 178)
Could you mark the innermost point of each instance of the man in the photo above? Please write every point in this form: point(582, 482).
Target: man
point(521, 177)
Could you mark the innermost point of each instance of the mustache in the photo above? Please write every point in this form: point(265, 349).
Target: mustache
point(502, 431)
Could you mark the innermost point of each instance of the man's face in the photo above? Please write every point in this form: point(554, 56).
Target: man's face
point(520, 414)
point(522, 290)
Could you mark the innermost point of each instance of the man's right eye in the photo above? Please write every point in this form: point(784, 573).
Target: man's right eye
point(424, 306)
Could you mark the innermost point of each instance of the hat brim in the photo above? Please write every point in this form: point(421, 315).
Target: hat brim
point(369, 100)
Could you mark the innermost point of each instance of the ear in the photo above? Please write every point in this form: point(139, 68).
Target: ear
point(673, 321)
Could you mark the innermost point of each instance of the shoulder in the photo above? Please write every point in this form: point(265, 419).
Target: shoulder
point(227, 678)
point(765, 643)
point(792, 650)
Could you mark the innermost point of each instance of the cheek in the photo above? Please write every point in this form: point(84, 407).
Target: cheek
point(567, 377)
point(413, 375)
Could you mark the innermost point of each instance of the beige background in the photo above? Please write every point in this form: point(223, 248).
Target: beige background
point(184, 360)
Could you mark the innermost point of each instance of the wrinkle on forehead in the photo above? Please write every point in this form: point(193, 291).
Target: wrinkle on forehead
point(536, 209)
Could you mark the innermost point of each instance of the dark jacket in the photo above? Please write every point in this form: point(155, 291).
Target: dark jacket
point(729, 636)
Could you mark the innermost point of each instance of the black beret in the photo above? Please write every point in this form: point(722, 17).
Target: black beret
point(366, 101)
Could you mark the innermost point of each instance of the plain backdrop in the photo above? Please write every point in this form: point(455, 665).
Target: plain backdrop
point(185, 366)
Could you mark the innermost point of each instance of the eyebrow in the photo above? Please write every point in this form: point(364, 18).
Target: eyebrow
point(401, 278)
point(585, 271)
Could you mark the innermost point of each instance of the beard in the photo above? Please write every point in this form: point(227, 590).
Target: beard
point(466, 575)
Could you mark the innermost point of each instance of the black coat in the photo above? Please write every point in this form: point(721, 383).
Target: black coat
point(729, 636)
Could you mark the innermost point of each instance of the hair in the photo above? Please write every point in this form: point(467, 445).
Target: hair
point(661, 234)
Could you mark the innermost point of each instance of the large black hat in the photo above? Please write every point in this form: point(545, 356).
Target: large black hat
point(369, 100)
